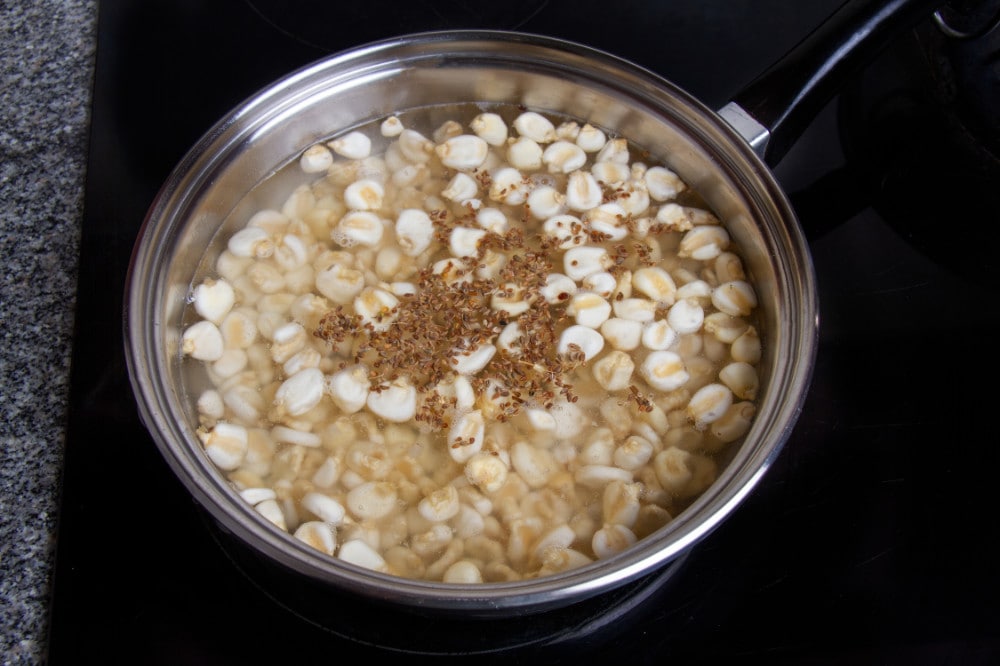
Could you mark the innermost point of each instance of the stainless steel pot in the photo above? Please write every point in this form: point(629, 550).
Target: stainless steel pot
point(721, 155)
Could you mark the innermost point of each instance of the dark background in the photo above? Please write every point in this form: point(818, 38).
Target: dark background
point(872, 539)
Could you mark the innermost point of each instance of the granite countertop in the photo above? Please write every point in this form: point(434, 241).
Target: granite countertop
point(46, 68)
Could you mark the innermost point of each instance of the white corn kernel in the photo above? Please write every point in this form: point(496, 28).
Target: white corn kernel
point(440, 505)
point(641, 310)
point(340, 284)
point(633, 453)
point(463, 572)
point(673, 469)
point(564, 157)
point(318, 535)
point(231, 362)
point(327, 473)
point(414, 231)
point(324, 507)
point(449, 129)
point(588, 309)
point(510, 298)
point(540, 419)
point(353, 146)
point(568, 130)
point(608, 220)
point(287, 340)
point(583, 192)
point(203, 341)
point(270, 510)
point(704, 242)
point(535, 126)
point(736, 298)
point(452, 271)
point(614, 371)
point(464, 241)
point(286, 435)
point(492, 220)
point(611, 540)
point(490, 127)
point(558, 288)
point(411, 175)
point(245, 402)
point(509, 338)
point(251, 242)
point(656, 283)
point(365, 194)
point(300, 392)
point(598, 476)
point(734, 423)
point(395, 401)
point(524, 154)
point(579, 262)
point(546, 201)
point(741, 378)
point(349, 388)
point(316, 159)
point(254, 496)
point(698, 290)
point(372, 500)
point(213, 299)
point(391, 126)
point(615, 150)
point(403, 288)
point(226, 445)
point(270, 220)
point(486, 471)
point(708, 404)
point(611, 173)
point(747, 347)
point(725, 328)
point(686, 316)
point(533, 464)
point(602, 283)
point(471, 361)
point(461, 187)
point(464, 152)
point(620, 503)
point(568, 230)
point(210, 404)
point(729, 267)
point(590, 138)
point(376, 307)
point(358, 227)
point(361, 554)
point(664, 370)
point(663, 184)
point(581, 338)
point(558, 538)
point(622, 334)
point(508, 186)
point(414, 146)
point(658, 335)
point(674, 217)
point(634, 199)
point(465, 437)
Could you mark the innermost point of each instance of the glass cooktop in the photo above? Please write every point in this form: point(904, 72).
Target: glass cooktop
point(872, 539)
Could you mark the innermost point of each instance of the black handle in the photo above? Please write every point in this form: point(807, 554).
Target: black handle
point(789, 94)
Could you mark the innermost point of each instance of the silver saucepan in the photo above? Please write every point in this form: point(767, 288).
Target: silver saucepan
point(723, 155)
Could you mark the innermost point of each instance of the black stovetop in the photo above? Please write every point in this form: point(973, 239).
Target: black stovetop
point(872, 539)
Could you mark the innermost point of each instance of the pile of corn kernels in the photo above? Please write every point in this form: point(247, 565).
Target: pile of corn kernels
point(493, 351)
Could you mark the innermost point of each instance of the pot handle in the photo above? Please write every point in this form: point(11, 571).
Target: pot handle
point(773, 110)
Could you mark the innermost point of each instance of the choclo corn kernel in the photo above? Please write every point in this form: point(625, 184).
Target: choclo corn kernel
point(488, 350)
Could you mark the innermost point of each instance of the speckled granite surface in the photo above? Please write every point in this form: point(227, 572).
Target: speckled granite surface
point(46, 69)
